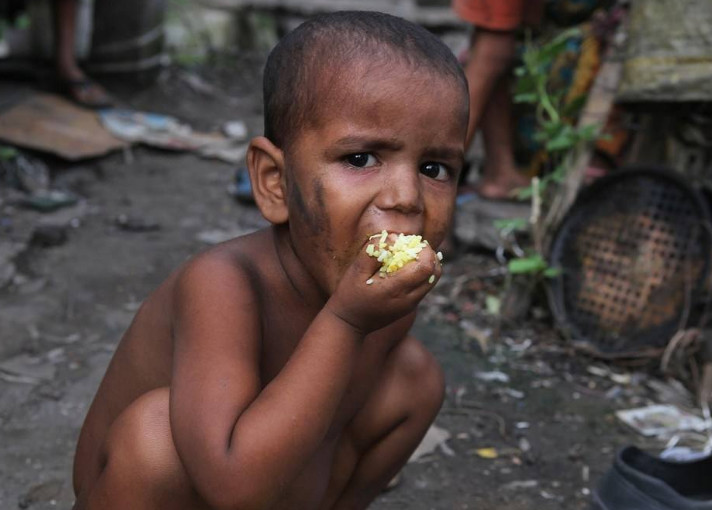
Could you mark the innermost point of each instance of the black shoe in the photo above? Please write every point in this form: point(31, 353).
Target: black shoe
point(639, 481)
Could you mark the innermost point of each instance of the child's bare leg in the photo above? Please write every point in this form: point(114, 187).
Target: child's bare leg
point(388, 429)
point(142, 469)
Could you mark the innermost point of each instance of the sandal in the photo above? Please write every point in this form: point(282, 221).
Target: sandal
point(87, 93)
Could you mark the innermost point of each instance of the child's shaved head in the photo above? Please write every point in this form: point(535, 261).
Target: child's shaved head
point(308, 63)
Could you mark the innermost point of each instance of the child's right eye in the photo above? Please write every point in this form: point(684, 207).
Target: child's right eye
point(361, 159)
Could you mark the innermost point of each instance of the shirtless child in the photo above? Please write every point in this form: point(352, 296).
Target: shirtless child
point(266, 372)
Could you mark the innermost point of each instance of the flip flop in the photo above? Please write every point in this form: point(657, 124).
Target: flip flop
point(85, 92)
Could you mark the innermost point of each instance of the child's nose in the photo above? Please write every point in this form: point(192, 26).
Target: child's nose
point(401, 190)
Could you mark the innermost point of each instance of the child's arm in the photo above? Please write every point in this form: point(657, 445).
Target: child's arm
point(241, 444)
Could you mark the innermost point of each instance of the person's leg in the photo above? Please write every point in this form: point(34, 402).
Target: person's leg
point(500, 175)
point(388, 429)
point(490, 59)
point(76, 83)
point(487, 72)
point(65, 22)
point(141, 469)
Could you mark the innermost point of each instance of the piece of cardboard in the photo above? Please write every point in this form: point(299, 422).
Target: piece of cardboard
point(50, 123)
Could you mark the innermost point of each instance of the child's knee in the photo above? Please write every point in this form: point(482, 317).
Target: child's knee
point(424, 380)
point(431, 389)
point(140, 444)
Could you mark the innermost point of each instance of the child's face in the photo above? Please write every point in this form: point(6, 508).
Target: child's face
point(385, 154)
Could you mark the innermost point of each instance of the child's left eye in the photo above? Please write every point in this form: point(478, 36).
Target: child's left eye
point(361, 159)
point(435, 171)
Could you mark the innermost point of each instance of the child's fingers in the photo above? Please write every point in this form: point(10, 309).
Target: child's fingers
point(424, 271)
point(432, 266)
point(367, 266)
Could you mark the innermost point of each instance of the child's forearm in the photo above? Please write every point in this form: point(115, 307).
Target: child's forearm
point(278, 434)
point(303, 398)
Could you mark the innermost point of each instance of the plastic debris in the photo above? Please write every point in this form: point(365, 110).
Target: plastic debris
point(235, 129)
point(657, 420)
point(50, 200)
point(167, 132)
point(493, 376)
point(435, 438)
point(24, 172)
point(520, 484)
point(241, 188)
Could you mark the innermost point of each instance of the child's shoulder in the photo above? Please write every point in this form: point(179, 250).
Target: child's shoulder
point(231, 270)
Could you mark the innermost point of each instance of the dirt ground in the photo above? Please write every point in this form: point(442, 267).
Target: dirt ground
point(529, 426)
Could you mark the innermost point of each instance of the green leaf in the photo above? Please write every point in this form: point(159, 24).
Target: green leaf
point(541, 56)
point(524, 193)
point(548, 53)
point(540, 136)
point(511, 224)
point(589, 132)
point(558, 174)
point(552, 272)
point(23, 21)
point(564, 36)
point(526, 97)
point(562, 142)
point(561, 136)
point(553, 129)
point(527, 265)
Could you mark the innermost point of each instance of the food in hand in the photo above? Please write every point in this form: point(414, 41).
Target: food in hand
point(394, 256)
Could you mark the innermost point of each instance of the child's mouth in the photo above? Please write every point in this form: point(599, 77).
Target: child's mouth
point(393, 256)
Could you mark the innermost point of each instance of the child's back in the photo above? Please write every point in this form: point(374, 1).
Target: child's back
point(276, 370)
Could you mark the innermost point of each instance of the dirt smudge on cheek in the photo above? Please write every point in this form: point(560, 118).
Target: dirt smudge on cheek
point(313, 217)
point(322, 220)
point(306, 216)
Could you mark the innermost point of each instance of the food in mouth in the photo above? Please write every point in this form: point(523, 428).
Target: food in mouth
point(404, 249)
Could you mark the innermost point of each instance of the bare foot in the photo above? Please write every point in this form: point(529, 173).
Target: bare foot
point(500, 178)
point(501, 189)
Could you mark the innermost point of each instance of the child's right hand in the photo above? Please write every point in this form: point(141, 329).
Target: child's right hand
point(371, 306)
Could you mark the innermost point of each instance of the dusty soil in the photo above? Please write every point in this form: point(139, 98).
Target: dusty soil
point(549, 421)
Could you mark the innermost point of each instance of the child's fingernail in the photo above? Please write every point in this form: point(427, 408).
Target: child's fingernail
point(431, 279)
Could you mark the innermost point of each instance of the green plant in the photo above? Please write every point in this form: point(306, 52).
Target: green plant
point(557, 135)
point(554, 132)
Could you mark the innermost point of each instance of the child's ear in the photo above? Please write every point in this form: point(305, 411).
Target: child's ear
point(265, 162)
